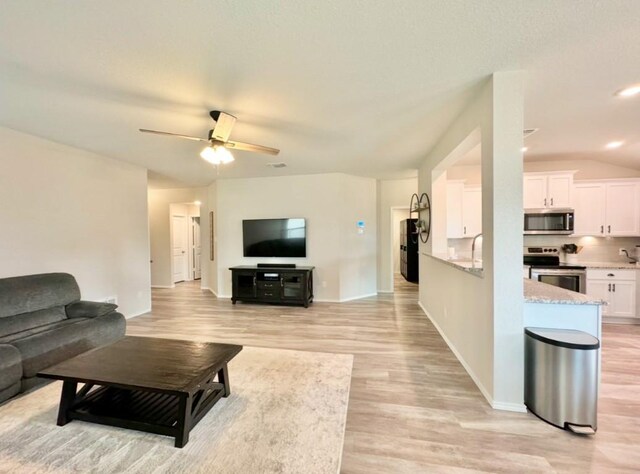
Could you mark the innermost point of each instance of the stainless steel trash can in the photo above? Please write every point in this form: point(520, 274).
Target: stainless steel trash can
point(561, 377)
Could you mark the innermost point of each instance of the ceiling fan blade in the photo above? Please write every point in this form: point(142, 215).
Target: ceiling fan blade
point(156, 132)
point(224, 124)
point(251, 147)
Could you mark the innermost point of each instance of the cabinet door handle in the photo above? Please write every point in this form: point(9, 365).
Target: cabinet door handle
point(552, 201)
point(464, 231)
point(610, 275)
point(609, 287)
point(614, 287)
point(545, 202)
point(254, 280)
point(609, 228)
point(602, 229)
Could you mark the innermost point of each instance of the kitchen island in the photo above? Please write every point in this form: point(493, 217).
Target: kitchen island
point(548, 306)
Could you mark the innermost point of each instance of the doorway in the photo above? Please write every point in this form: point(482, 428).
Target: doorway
point(397, 216)
point(185, 242)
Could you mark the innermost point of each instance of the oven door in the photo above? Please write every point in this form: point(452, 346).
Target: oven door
point(573, 280)
point(548, 221)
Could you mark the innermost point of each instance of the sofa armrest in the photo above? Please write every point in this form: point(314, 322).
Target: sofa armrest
point(88, 309)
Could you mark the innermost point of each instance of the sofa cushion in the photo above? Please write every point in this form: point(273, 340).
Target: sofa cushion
point(9, 338)
point(10, 391)
point(88, 309)
point(22, 322)
point(25, 294)
point(10, 366)
point(64, 341)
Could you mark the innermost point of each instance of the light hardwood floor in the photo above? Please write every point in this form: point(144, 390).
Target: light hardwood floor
point(412, 406)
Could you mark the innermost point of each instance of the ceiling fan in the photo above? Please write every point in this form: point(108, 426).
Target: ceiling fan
point(217, 151)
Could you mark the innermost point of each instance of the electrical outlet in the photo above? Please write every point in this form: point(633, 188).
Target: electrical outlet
point(324, 284)
point(111, 299)
point(621, 251)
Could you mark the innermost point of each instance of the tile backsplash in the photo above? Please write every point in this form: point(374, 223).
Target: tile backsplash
point(594, 249)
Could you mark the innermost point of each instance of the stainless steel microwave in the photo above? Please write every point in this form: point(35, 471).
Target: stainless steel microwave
point(548, 221)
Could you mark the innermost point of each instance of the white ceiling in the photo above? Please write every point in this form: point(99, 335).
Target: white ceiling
point(355, 86)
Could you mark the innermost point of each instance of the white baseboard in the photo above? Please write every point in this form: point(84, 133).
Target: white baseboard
point(517, 407)
point(131, 316)
point(163, 286)
point(359, 297)
point(619, 320)
point(385, 291)
point(343, 300)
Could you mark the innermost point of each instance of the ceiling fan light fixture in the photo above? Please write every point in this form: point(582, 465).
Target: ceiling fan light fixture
point(216, 155)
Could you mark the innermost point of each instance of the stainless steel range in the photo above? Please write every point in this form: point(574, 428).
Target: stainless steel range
point(546, 267)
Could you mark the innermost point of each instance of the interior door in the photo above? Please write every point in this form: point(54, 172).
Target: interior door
point(196, 248)
point(179, 247)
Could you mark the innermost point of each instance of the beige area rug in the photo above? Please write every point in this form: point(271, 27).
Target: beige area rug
point(286, 413)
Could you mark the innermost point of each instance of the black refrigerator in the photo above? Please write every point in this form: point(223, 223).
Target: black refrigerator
point(409, 257)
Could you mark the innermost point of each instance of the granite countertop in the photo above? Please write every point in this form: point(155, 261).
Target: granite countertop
point(536, 292)
point(460, 264)
point(610, 265)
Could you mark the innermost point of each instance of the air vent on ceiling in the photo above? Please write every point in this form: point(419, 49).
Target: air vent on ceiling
point(529, 131)
point(277, 165)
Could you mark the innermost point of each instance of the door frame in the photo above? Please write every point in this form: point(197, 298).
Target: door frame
point(192, 246)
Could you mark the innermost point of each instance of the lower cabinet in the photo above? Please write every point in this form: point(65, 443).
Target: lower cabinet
point(617, 288)
point(277, 285)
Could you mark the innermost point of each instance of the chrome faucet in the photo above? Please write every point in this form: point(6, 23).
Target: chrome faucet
point(631, 259)
point(473, 250)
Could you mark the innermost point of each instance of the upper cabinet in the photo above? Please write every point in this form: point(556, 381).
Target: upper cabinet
point(607, 208)
point(464, 210)
point(547, 190)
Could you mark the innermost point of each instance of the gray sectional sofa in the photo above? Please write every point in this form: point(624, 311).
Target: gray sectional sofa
point(43, 322)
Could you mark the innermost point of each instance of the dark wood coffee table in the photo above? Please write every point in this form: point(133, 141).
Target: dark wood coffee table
point(162, 386)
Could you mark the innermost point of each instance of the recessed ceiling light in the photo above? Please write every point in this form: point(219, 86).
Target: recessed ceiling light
point(612, 145)
point(523, 149)
point(629, 91)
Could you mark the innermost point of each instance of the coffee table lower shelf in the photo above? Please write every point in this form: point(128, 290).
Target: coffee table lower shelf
point(168, 414)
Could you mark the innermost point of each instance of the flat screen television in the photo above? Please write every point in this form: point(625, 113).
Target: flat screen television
point(274, 238)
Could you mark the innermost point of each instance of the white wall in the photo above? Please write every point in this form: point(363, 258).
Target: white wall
point(586, 169)
point(160, 201)
point(358, 257)
point(391, 193)
point(481, 317)
point(67, 210)
point(330, 203)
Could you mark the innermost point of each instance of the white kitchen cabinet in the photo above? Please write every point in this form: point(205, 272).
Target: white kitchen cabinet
point(617, 288)
point(622, 213)
point(471, 211)
point(455, 190)
point(464, 210)
point(589, 204)
point(607, 208)
point(547, 190)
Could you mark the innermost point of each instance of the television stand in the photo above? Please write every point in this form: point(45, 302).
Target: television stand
point(272, 284)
